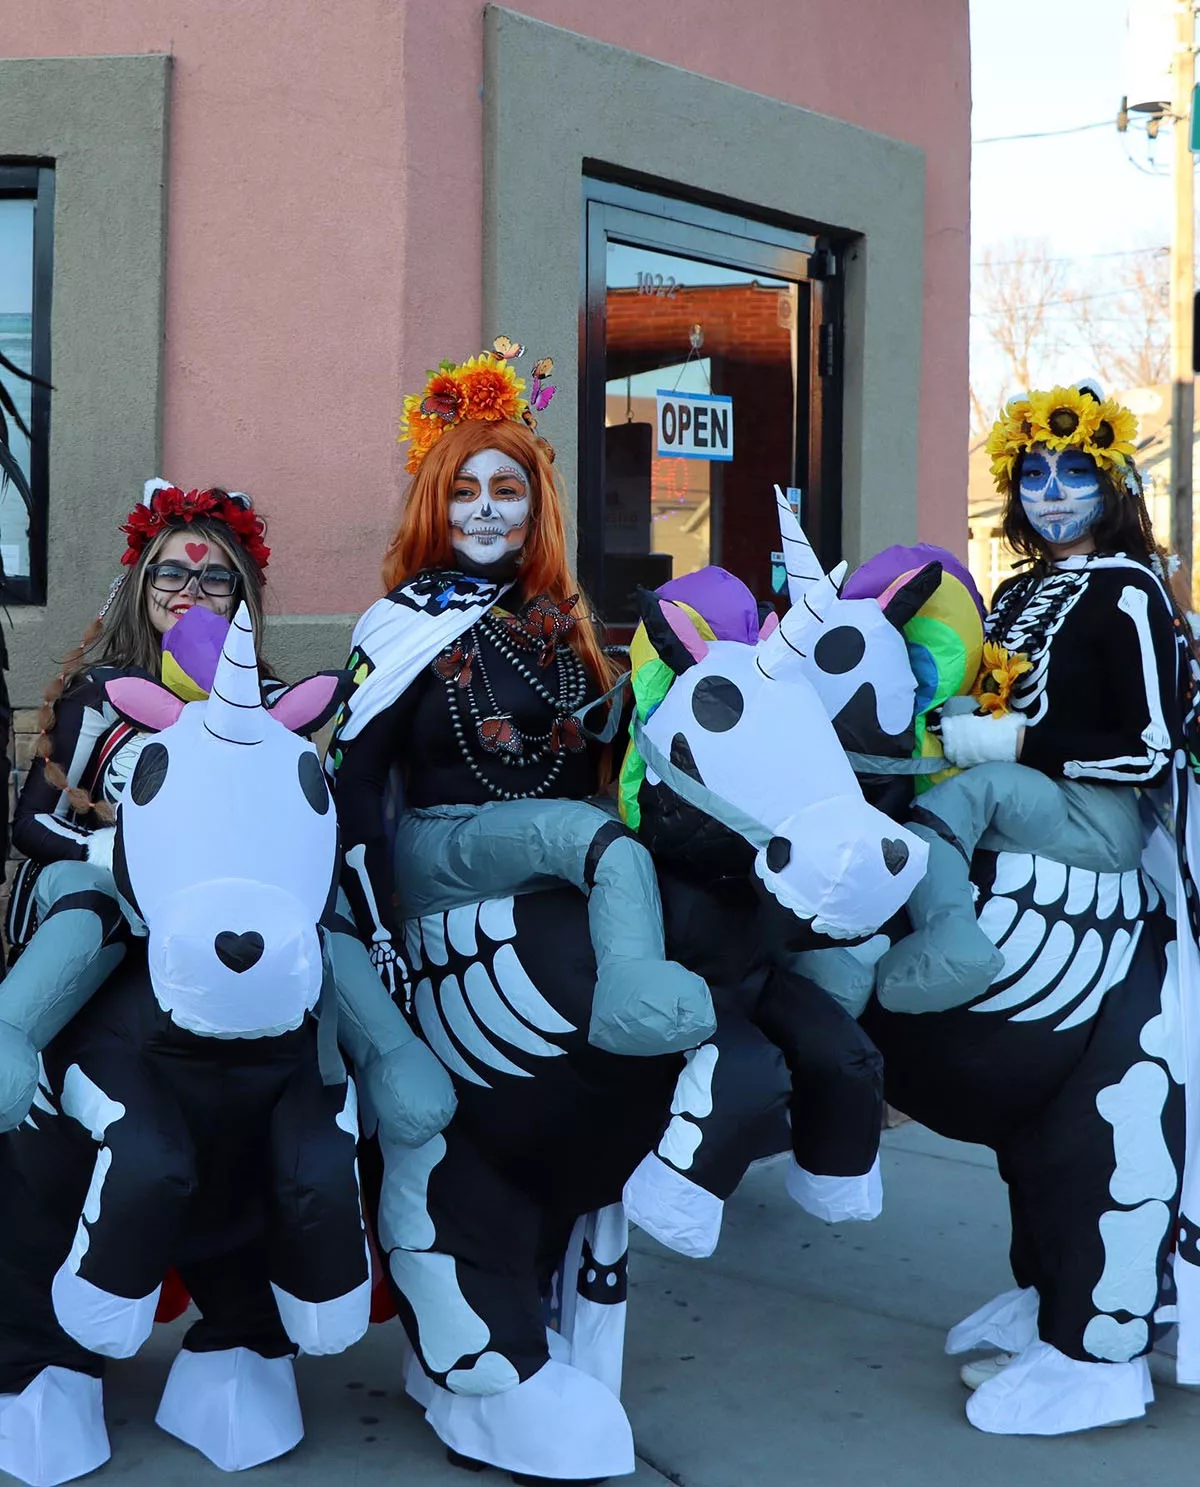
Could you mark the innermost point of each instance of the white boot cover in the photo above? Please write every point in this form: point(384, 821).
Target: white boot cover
point(53, 1431)
point(113, 1326)
point(1007, 1322)
point(1043, 1392)
point(320, 1328)
point(672, 1209)
point(837, 1199)
point(235, 1407)
point(559, 1423)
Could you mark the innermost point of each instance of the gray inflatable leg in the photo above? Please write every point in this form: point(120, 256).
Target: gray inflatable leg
point(644, 1004)
point(79, 942)
point(400, 1080)
point(948, 960)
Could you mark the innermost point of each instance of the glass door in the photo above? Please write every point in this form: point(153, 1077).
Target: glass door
point(710, 350)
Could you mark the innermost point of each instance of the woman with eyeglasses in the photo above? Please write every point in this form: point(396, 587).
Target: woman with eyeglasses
point(183, 550)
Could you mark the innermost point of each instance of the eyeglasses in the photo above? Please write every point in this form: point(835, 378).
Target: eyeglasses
point(173, 578)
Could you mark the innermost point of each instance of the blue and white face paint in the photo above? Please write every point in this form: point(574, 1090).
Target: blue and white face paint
point(1061, 493)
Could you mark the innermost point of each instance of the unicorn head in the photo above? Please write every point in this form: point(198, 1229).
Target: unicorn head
point(227, 845)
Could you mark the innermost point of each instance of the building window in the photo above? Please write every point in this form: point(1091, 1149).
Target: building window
point(739, 322)
point(26, 249)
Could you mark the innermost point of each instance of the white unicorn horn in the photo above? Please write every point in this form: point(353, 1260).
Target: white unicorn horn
point(234, 710)
point(801, 562)
point(791, 643)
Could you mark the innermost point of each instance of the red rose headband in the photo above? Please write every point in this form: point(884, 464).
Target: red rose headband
point(164, 505)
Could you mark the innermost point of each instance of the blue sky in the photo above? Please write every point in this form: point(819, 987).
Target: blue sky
point(1041, 65)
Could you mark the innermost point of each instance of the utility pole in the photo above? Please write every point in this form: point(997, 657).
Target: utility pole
point(1183, 293)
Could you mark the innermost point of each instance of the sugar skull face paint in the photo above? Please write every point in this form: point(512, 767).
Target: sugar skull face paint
point(1060, 493)
point(489, 510)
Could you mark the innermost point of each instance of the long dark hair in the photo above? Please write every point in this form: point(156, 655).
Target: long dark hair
point(1123, 524)
point(124, 637)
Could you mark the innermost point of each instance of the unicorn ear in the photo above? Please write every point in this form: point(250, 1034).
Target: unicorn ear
point(672, 632)
point(306, 706)
point(157, 484)
point(144, 703)
point(913, 595)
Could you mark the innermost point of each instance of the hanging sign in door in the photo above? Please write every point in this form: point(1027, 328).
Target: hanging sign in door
point(694, 426)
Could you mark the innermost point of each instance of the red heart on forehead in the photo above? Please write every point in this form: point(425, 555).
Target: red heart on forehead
point(195, 550)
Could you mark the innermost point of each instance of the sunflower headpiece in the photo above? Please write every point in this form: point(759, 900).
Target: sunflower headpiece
point(486, 387)
point(1063, 418)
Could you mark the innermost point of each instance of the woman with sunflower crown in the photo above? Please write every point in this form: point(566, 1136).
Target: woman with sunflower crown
point(1088, 681)
point(475, 678)
point(1095, 692)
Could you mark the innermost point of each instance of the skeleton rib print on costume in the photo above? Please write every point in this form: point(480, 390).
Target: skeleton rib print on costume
point(1067, 936)
point(1068, 607)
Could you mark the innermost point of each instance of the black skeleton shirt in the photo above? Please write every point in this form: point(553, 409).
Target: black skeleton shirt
point(1102, 701)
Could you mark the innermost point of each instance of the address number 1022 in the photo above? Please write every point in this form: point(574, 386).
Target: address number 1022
point(660, 285)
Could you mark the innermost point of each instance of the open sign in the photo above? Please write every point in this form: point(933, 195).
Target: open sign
point(694, 426)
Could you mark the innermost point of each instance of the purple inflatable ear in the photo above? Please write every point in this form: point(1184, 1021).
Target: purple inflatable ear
point(144, 703)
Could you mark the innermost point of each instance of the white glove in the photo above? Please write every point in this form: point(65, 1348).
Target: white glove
point(100, 846)
point(975, 738)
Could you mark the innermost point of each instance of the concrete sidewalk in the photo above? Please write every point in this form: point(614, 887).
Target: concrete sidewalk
point(801, 1355)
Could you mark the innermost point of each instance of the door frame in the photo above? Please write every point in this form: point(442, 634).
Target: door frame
point(651, 217)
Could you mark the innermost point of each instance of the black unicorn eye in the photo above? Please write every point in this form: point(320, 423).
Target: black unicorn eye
point(312, 782)
point(149, 774)
point(840, 650)
point(717, 703)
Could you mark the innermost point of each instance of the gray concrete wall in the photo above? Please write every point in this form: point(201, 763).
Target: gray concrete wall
point(103, 121)
point(623, 110)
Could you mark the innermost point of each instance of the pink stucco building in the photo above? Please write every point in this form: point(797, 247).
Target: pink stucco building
point(268, 220)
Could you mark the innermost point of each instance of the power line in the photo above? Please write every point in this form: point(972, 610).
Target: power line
point(1064, 303)
point(1067, 257)
point(1003, 139)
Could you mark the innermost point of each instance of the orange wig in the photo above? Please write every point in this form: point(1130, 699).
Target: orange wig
point(422, 540)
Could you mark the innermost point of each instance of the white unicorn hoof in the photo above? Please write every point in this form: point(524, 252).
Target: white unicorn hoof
point(235, 1407)
point(837, 1200)
point(1043, 1392)
point(322, 1327)
point(53, 1431)
point(560, 1424)
point(113, 1326)
point(673, 1209)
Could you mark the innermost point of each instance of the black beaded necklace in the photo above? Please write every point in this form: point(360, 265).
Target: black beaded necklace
point(479, 723)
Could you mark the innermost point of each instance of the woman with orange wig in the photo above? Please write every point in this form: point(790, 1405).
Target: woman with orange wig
point(474, 678)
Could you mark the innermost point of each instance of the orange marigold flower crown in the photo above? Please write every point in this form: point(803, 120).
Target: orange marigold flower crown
point(1063, 418)
point(486, 388)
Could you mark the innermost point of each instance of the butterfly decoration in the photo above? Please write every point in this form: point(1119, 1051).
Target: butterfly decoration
point(497, 735)
point(504, 348)
point(443, 405)
point(539, 398)
point(454, 664)
point(566, 735)
point(542, 624)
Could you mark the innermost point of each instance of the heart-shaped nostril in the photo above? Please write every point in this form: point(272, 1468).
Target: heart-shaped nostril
point(895, 855)
point(779, 853)
point(239, 952)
